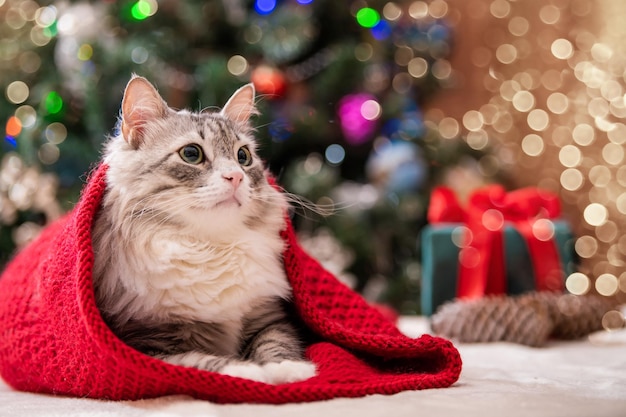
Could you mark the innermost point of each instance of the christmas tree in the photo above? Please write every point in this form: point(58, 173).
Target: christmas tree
point(342, 91)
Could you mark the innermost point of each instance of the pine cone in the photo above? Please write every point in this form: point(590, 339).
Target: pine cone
point(573, 316)
point(529, 319)
point(492, 319)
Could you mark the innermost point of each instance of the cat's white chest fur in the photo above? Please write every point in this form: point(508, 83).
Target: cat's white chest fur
point(207, 281)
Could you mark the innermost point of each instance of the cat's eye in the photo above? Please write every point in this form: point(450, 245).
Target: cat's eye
point(244, 156)
point(192, 154)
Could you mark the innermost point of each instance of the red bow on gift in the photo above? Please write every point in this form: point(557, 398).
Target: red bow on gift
point(481, 259)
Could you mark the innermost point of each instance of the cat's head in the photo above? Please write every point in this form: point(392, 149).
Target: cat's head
point(197, 169)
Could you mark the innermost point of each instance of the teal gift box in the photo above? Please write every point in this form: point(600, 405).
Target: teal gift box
point(440, 261)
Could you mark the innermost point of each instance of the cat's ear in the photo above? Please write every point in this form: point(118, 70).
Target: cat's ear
point(240, 106)
point(140, 105)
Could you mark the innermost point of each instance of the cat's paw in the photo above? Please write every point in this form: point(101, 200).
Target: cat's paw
point(249, 370)
point(288, 371)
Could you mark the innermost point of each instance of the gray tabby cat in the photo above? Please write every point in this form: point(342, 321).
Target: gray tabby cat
point(187, 248)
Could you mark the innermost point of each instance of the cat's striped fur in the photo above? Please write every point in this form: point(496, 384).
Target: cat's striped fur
point(187, 247)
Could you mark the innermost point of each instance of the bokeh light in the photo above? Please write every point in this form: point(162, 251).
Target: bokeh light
point(607, 284)
point(85, 52)
point(578, 283)
point(392, 11)
point(418, 67)
point(53, 103)
point(367, 17)
point(143, 9)
point(335, 154)
point(55, 133)
point(595, 214)
point(237, 65)
point(13, 126)
point(17, 92)
point(382, 30)
point(264, 6)
point(27, 116)
point(553, 114)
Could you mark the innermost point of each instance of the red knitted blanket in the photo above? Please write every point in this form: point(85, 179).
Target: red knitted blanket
point(53, 339)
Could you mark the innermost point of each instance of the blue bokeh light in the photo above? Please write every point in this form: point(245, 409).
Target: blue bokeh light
point(280, 129)
point(382, 30)
point(264, 6)
point(11, 141)
point(335, 154)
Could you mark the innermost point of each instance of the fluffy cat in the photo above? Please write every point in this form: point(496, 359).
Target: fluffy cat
point(187, 248)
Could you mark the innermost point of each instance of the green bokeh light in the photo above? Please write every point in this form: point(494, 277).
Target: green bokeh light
point(51, 31)
point(367, 17)
point(141, 10)
point(53, 102)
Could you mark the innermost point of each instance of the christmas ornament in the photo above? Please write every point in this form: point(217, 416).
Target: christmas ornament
point(269, 80)
point(397, 166)
point(357, 117)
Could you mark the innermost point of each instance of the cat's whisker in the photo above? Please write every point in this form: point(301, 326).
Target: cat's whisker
point(209, 109)
point(307, 206)
point(157, 207)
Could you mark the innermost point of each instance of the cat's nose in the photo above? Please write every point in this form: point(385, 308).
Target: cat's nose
point(234, 177)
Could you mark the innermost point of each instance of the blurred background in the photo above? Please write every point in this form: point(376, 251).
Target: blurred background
point(365, 107)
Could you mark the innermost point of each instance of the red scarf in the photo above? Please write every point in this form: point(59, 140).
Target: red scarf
point(53, 339)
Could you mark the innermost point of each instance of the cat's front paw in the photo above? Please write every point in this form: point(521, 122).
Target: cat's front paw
point(288, 371)
point(247, 370)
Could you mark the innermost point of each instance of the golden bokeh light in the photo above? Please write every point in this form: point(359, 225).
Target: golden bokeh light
point(553, 114)
point(572, 179)
point(583, 134)
point(613, 320)
point(557, 103)
point(538, 119)
point(570, 156)
point(607, 284)
point(518, 26)
point(578, 283)
point(500, 8)
point(549, 14)
point(532, 145)
point(506, 53)
point(586, 246)
point(523, 101)
point(562, 49)
point(595, 214)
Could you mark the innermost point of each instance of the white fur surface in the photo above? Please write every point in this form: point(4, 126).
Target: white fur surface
point(177, 275)
point(580, 378)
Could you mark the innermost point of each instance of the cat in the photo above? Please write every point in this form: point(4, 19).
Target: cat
point(187, 249)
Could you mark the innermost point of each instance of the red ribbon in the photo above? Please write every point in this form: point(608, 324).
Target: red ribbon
point(481, 259)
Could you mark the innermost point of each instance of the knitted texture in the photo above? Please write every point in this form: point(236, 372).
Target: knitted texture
point(53, 339)
point(529, 319)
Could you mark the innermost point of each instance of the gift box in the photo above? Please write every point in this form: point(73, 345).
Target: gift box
point(501, 243)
